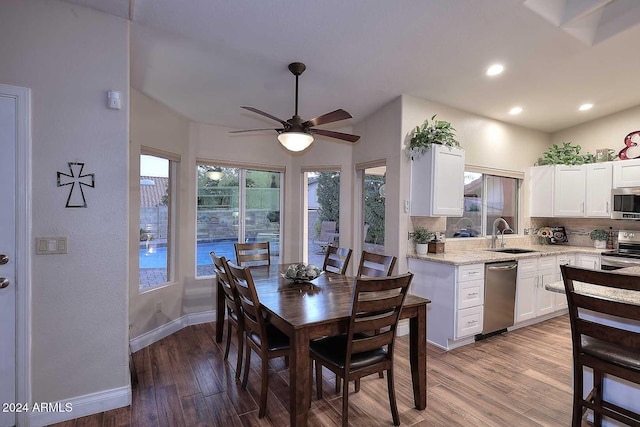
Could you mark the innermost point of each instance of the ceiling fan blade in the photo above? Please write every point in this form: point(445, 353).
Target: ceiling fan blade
point(334, 116)
point(338, 135)
point(262, 113)
point(254, 130)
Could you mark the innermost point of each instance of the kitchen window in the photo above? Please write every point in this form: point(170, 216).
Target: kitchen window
point(488, 195)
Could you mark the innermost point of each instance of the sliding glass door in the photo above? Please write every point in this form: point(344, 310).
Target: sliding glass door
point(235, 205)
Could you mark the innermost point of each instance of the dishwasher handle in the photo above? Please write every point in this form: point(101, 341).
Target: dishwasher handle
point(506, 267)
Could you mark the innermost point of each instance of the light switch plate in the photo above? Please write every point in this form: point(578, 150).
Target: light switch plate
point(51, 245)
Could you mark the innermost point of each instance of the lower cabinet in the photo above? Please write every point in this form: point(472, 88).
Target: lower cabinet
point(588, 261)
point(532, 299)
point(561, 299)
point(455, 314)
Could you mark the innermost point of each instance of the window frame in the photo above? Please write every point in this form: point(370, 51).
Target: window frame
point(172, 214)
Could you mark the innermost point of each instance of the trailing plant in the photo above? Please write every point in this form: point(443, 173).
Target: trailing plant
point(422, 236)
point(565, 154)
point(599, 234)
point(434, 132)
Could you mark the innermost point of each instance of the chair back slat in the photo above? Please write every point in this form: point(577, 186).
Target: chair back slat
point(370, 311)
point(372, 342)
point(581, 304)
point(609, 333)
point(248, 296)
point(376, 265)
point(336, 260)
point(230, 293)
point(612, 308)
point(374, 323)
point(252, 254)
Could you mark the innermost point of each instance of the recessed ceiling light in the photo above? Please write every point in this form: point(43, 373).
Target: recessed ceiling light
point(515, 110)
point(495, 69)
point(585, 107)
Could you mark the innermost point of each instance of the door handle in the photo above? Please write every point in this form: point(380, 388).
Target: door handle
point(4, 282)
point(3, 259)
point(506, 267)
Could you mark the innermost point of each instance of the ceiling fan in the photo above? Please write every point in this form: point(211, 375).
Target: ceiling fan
point(296, 134)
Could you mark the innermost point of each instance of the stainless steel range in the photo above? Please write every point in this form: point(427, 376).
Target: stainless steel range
point(627, 254)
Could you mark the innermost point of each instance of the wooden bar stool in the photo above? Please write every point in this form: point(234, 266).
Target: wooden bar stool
point(605, 347)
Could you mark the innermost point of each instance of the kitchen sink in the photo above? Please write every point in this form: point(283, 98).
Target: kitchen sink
point(512, 250)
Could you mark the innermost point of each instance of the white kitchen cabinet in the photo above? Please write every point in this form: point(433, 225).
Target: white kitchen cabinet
point(455, 314)
point(588, 261)
point(541, 191)
point(532, 299)
point(437, 182)
point(598, 195)
point(569, 191)
point(560, 302)
point(626, 173)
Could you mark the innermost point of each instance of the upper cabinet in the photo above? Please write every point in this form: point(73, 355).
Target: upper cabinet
point(437, 182)
point(626, 173)
point(571, 191)
point(569, 195)
point(541, 191)
point(598, 196)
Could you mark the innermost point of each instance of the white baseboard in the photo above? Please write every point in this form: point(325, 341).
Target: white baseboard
point(76, 407)
point(169, 328)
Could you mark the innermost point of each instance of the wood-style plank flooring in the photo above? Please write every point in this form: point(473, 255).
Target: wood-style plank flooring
point(522, 378)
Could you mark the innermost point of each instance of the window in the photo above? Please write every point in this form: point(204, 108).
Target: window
point(235, 205)
point(156, 220)
point(372, 178)
point(323, 213)
point(486, 198)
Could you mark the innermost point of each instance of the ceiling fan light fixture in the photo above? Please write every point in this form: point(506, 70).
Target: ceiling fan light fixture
point(295, 141)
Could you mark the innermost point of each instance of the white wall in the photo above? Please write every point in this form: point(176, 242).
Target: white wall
point(79, 300)
point(606, 132)
point(155, 126)
point(487, 143)
point(381, 135)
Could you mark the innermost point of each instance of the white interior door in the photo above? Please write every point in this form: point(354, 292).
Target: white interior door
point(8, 138)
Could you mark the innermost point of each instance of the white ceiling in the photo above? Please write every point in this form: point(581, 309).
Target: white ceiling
point(206, 58)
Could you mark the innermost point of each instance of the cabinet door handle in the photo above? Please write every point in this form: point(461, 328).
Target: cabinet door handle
point(582, 207)
point(472, 294)
point(471, 322)
point(607, 209)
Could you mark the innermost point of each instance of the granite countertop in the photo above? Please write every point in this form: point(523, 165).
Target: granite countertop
point(481, 256)
point(623, 295)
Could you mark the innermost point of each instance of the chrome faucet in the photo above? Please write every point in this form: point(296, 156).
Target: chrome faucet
point(494, 235)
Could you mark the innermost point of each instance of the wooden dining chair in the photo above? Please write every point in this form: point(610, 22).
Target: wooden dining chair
point(260, 335)
point(603, 346)
point(376, 304)
point(376, 265)
point(372, 265)
point(336, 260)
point(253, 254)
point(234, 309)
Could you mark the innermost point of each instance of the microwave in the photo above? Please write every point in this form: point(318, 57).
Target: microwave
point(626, 203)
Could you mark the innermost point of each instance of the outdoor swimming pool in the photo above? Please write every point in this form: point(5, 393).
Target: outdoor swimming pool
point(156, 257)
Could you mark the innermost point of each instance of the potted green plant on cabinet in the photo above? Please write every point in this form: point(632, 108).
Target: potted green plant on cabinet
point(435, 132)
point(421, 237)
point(599, 238)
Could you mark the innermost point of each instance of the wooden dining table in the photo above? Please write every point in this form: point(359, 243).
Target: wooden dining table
point(321, 308)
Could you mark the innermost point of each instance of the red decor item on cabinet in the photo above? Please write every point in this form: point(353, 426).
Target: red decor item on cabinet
point(630, 141)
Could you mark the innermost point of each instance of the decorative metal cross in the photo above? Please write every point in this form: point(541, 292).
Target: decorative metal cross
point(76, 194)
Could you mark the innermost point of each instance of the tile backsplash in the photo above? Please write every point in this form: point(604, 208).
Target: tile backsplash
point(578, 230)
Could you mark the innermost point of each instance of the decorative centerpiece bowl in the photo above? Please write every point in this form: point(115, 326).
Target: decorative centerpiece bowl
point(301, 273)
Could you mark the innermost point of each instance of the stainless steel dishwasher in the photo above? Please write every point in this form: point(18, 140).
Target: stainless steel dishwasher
point(499, 297)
